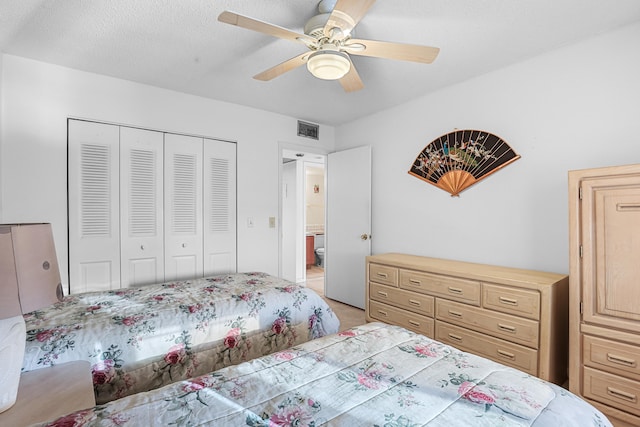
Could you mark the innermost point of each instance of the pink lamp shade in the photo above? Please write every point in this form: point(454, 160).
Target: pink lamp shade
point(29, 280)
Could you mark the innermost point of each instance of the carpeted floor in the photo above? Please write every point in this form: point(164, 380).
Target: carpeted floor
point(349, 316)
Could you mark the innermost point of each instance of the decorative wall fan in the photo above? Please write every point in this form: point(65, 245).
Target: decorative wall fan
point(328, 37)
point(457, 160)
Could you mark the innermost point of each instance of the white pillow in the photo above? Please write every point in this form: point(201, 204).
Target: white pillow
point(13, 335)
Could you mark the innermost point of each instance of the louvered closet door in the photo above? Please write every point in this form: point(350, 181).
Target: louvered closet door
point(183, 207)
point(141, 202)
point(94, 234)
point(219, 207)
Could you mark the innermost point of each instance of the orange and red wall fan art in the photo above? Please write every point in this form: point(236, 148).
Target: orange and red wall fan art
point(459, 159)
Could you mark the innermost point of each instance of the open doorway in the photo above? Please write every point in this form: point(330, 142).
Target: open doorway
point(302, 217)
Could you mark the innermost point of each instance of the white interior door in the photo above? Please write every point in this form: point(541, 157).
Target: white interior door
point(183, 239)
point(141, 240)
point(219, 223)
point(94, 206)
point(348, 229)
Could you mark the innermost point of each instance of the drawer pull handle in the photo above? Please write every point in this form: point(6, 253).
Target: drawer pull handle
point(508, 301)
point(383, 275)
point(383, 293)
point(414, 323)
point(621, 360)
point(455, 313)
point(415, 282)
point(457, 291)
point(415, 302)
point(383, 313)
point(507, 328)
point(621, 394)
point(506, 354)
point(455, 337)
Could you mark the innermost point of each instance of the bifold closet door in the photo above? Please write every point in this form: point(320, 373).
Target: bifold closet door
point(147, 206)
point(219, 207)
point(141, 201)
point(94, 208)
point(183, 239)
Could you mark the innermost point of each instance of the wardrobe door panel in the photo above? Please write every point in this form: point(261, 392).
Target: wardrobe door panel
point(219, 207)
point(183, 207)
point(141, 199)
point(94, 208)
point(610, 297)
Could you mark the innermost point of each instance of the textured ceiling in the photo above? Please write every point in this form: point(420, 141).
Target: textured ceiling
point(180, 45)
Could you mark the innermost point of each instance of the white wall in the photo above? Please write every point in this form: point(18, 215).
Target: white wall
point(574, 108)
point(37, 98)
point(289, 217)
point(1, 133)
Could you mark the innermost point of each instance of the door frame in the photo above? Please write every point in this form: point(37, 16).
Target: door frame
point(282, 148)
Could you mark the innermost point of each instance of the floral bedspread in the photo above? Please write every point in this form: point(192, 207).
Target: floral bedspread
point(139, 339)
point(372, 375)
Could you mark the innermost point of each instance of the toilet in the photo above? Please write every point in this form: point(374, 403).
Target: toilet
point(318, 244)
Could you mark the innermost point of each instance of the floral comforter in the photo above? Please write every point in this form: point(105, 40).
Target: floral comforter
point(138, 339)
point(372, 375)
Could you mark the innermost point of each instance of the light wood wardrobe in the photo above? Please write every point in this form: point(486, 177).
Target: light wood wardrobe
point(604, 311)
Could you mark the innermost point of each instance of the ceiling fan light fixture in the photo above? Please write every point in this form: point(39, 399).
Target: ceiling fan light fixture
point(328, 64)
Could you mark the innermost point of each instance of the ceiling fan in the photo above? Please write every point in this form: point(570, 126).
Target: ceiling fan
point(328, 38)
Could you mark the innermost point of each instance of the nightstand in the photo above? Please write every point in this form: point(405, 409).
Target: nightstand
point(48, 393)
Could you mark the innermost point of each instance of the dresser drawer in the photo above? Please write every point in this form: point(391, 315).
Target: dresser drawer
point(612, 390)
point(418, 303)
point(511, 328)
point(383, 274)
point(611, 356)
point(507, 353)
point(385, 313)
point(521, 302)
point(445, 286)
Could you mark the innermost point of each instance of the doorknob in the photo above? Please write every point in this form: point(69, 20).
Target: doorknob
point(365, 236)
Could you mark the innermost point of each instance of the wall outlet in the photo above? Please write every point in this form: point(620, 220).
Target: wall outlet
point(272, 222)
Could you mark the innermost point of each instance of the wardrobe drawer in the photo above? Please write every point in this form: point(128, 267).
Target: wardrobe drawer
point(418, 303)
point(611, 356)
point(395, 316)
point(521, 302)
point(383, 274)
point(510, 328)
point(612, 390)
point(448, 287)
point(507, 353)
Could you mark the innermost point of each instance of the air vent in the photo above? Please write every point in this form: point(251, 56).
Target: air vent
point(308, 130)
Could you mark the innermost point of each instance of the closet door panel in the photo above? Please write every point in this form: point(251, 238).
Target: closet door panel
point(219, 207)
point(183, 207)
point(613, 233)
point(141, 202)
point(94, 209)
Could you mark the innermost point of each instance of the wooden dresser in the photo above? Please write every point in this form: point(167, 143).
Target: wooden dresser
point(515, 317)
point(604, 235)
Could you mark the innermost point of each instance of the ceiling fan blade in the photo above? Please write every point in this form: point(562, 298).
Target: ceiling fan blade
point(351, 81)
point(403, 52)
point(263, 27)
point(346, 14)
point(282, 68)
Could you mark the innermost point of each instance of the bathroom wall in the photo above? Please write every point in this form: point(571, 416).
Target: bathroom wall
point(314, 198)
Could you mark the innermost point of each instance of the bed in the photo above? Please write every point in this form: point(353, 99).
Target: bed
point(371, 375)
point(139, 339)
